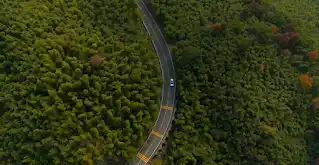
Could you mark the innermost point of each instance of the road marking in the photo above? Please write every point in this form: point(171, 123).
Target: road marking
point(167, 107)
point(163, 51)
point(157, 134)
point(167, 96)
point(162, 120)
point(146, 152)
point(142, 157)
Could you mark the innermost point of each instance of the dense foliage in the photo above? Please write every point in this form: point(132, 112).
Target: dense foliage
point(79, 81)
point(248, 82)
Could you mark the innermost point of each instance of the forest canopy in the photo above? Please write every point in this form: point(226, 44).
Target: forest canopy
point(247, 75)
point(79, 82)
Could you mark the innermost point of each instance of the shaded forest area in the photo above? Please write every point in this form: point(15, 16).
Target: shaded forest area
point(248, 81)
point(79, 82)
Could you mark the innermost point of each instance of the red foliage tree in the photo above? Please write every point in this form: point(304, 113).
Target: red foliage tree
point(96, 60)
point(282, 39)
point(285, 52)
point(216, 26)
point(289, 28)
point(288, 38)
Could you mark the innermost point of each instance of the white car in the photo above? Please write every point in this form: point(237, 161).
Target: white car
point(171, 82)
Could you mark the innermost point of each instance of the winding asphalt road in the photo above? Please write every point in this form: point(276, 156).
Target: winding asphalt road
point(166, 113)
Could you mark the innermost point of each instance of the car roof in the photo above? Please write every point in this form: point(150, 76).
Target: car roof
point(171, 79)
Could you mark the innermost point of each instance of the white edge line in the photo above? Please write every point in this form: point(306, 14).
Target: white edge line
point(161, 66)
point(173, 74)
point(170, 55)
point(158, 52)
point(162, 76)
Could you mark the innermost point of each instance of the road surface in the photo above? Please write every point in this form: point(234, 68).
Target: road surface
point(164, 118)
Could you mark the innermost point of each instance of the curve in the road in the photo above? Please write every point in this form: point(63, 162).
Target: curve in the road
point(166, 113)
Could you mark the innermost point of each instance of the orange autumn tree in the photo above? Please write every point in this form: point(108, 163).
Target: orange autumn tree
point(313, 54)
point(274, 28)
point(305, 81)
point(315, 102)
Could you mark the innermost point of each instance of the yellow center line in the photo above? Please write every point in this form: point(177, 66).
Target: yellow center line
point(167, 107)
point(142, 157)
point(157, 134)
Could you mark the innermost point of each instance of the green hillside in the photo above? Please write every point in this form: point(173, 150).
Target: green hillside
point(79, 82)
point(247, 81)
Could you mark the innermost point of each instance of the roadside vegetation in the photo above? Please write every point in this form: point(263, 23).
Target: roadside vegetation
point(79, 82)
point(247, 81)
point(157, 160)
